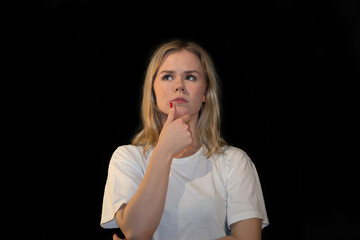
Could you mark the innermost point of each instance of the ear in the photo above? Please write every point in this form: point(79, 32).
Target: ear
point(205, 93)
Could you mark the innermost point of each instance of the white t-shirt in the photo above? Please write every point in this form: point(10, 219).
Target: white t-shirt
point(205, 195)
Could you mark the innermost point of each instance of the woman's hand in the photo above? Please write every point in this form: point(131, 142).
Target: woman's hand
point(175, 136)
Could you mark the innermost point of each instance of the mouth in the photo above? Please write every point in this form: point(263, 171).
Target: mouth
point(179, 100)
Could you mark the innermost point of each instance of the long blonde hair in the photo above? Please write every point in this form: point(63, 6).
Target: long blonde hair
point(209, 116)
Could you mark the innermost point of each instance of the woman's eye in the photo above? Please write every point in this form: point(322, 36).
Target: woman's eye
point(167, 77)
point(190, 77)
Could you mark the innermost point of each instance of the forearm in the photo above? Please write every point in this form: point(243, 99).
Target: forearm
point(248, 229)
point(143, 212)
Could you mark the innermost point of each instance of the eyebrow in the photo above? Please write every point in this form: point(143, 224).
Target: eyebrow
point(187, 72)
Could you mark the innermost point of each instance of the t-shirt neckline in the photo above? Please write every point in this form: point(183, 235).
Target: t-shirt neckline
point(189, 158)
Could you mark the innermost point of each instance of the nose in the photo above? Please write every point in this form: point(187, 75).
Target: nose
point(179, 87)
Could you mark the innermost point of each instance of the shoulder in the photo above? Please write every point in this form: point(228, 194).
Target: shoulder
point(238, 165)
point(234, 155)
point(231, 158)
point(128, 150)
point(129, 154)
point(234, 151)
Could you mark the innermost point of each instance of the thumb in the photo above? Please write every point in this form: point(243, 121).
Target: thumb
point(172, 113)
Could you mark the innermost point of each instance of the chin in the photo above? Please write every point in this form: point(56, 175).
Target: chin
point(180, 111)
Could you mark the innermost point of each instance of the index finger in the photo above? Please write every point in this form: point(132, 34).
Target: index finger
point(172, 113)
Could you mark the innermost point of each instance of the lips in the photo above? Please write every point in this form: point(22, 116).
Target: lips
point(179, 100)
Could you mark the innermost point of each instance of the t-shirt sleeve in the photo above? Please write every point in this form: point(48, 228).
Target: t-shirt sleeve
point(244, 195)
point(124, 176)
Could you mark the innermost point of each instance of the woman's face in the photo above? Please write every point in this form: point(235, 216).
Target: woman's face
point(180, 80)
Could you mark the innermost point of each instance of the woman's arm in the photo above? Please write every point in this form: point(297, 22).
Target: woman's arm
point(141, 216)
point(249, 229)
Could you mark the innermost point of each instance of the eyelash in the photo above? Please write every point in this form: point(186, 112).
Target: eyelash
point(166, 77)
point(194, 78)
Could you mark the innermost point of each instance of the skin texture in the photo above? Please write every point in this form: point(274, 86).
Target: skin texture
point(179, 76)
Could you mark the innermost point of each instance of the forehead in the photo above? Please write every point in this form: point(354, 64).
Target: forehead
point(182, 60)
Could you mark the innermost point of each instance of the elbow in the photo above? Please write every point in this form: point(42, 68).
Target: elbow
point(133, 230)
point(138, 235)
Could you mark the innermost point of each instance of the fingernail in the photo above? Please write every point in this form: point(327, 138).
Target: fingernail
point(171, 104)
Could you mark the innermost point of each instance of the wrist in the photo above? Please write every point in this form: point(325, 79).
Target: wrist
point(162, 146)
point(161, 152)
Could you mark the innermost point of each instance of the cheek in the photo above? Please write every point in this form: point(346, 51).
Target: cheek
point(161, 93)
point(198, 94)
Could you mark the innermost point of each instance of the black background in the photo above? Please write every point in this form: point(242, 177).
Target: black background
point(288, 70)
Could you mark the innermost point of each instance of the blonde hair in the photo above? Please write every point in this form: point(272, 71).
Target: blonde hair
point(209, 116)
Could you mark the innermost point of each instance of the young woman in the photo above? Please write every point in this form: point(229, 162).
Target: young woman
point(179, 179)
